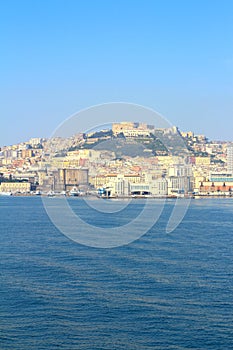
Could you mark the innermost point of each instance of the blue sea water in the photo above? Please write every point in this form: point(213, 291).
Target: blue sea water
point(163, 291)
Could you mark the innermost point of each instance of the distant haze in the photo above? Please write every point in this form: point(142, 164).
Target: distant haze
point(59, 57)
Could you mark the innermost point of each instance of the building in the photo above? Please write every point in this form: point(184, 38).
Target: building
point(68, 178)
point(216, 188)
point(180, 170)
point(187, 134)
point(202, 161)
point(179, 185)
point(230, 158)
point(140, 188)
point(63, 179)
point(21, 187)
point(102, 180)
point(131, 129)
point(159, 187)
point(35, 141)
point(221, 177)
point(122, 187)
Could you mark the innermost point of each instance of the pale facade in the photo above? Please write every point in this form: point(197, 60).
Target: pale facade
point(15, 187)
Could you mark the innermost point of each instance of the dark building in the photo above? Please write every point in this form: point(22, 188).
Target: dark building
point(68, 178)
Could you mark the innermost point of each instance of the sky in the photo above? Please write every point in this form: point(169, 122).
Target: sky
point(59, 57)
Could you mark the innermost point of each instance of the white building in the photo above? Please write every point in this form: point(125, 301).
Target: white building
point(159, 187)
point(35, 141)
point(118, 186)
point(121, 187)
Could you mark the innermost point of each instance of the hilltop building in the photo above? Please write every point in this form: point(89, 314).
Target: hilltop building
point(130, 129)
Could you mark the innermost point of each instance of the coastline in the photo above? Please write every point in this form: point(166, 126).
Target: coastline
point(58, 195)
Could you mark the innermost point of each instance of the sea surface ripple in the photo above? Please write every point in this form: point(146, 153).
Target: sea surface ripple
point(163, 291)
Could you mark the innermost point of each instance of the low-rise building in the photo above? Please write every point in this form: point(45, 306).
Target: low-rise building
point(216, 188)
point(22, 187)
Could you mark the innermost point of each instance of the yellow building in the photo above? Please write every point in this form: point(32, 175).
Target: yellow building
point(27, 153)
point(202, 161)
point(98, 181)
point(197, 179)
point(81, 153)
point(6, 161)
point(15, 187)
point(84, 154)
point(188, 134)
point(169, 160)
point(70, 163)
point(131, 129)
point(57, 162)
point(117, 128)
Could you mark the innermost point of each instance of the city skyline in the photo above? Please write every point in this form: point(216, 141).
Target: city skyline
point(128, 159)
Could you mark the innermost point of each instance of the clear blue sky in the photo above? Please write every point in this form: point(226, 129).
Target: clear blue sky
point(58, 57)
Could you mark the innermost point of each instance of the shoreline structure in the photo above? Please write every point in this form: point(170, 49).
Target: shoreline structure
point(97, 197)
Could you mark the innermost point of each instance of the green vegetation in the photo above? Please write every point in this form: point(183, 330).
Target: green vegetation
point(101, 134)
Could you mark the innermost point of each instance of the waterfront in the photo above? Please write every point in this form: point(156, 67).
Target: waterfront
point(164, 291)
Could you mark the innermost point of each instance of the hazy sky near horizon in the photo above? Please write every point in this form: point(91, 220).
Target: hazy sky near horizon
point(58, 57)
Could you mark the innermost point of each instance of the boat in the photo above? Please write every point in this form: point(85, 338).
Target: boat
point(6, 193)
point(74, 192)
point(50, 194)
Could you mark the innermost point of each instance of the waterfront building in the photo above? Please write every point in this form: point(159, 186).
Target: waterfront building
point(179, 185)
point(159, 187)
point(140, 188)
point(216, 188)
point(121, 187)
point(62, 179)
point(101, 180)
point(221, 177)
point(68, 178)
point(21, 187)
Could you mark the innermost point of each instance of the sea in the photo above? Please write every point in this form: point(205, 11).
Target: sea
point(162, 291)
